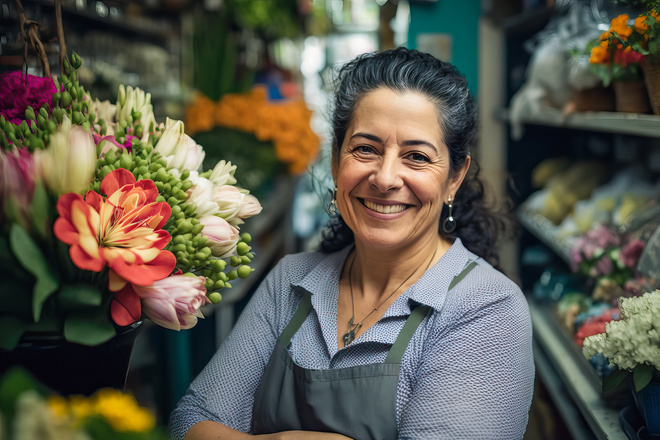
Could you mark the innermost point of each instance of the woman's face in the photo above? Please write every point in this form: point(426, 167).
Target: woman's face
point(393, 171)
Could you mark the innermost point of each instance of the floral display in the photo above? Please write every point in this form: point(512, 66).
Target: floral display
point(609, 258)
point(612, 57)
point(632, 343)
point(29, 411)
point(107, 216)
point(285, 124)
point(644, 36)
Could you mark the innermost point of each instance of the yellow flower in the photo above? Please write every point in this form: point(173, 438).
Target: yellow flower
point(122, 411)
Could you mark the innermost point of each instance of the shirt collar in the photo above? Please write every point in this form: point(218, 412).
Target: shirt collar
point(430, 290)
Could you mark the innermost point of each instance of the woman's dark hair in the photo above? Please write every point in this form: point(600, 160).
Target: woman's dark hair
point(407, 70)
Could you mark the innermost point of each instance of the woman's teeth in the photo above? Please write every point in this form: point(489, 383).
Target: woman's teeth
point(384, 209)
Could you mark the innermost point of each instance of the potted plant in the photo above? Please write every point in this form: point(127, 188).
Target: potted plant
point(632, 345)
point(615, 61)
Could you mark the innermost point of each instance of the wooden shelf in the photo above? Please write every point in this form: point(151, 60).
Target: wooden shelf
point(559, 361)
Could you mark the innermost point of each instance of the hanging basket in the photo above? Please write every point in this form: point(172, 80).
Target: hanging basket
point(631, 97)
point(652, 80)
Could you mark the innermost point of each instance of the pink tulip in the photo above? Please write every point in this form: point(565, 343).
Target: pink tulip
point(250, 207)
point(173, 302)
point(16, 185)
point(222, 237)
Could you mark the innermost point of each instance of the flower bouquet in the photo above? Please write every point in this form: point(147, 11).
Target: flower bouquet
point(609, 258)
point(30, 411)
point(105, 216)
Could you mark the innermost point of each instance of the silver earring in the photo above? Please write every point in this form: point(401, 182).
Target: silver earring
point(449, 224)
point(332, 209)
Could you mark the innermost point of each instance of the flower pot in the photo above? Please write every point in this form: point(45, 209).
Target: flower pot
point(648, 405)
point(652, 80)
point(70, 368)
point(594, 99)
point(631, 97)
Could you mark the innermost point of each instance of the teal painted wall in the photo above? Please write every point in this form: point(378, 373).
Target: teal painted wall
point(460, 18)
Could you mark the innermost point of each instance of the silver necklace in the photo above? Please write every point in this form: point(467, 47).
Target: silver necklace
point(349, 336)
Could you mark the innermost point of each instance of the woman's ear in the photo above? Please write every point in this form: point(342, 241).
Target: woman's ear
point(458, 178)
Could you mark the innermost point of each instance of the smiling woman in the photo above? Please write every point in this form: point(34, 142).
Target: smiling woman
point(382, 333)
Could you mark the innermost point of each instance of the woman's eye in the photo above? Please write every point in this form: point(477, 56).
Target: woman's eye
point(418, 157)
point(364, 149)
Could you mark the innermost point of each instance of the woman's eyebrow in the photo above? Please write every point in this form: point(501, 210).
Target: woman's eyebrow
point(407, 143)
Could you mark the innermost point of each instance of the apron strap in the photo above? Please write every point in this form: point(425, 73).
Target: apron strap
point(416, 317)
point(297, 320)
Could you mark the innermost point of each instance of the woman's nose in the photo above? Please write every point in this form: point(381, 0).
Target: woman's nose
point(387, 174)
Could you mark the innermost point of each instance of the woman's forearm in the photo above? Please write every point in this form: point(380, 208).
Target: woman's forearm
point(208, 430)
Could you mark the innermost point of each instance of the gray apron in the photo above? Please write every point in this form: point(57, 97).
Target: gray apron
point(358, 402)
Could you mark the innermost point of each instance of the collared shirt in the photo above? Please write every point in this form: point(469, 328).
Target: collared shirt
point(467, 373)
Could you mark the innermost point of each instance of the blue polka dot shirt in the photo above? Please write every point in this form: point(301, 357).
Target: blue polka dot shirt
point(467, 373)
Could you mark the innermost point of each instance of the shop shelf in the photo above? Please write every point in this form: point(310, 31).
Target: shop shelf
point(560, 361)
point(607, 122)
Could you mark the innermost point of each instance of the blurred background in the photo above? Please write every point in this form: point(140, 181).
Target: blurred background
point(568, 144)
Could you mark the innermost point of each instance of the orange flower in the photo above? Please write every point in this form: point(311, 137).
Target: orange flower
point(122, 231)
point(599, 55)
point(640, 24)
point(620, 26)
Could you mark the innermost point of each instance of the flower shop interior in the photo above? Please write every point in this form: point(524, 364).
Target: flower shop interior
point(569, 99)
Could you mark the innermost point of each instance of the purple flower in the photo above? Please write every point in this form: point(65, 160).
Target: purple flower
point(20, 91)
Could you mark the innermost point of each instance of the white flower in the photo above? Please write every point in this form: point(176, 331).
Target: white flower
point(130, 100)
point(229, 200)
point(69, 161)
point(223, 174)
point(201, 194)
point(635, 338)
point(179, 149)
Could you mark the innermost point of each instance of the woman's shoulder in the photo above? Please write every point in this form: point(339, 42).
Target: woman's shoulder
point(486, 288)
point(294, 268)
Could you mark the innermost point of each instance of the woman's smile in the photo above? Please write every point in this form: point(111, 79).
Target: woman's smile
point(383, 207)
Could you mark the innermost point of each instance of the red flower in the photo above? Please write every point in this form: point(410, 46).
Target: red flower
point(121, 231)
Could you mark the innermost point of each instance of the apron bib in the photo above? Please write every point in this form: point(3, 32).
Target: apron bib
point(358, 402)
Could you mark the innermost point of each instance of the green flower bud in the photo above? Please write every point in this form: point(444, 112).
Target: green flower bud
point(250, 255)
point(200, 256)
point(66, 99)
point(75, 60)
point(179, 239)
point(244, 271)
point(176, 209)
point(51, 126)
point(173, 201)
point(215, 297)
point(125, 160)
point(41, 122)
point(223, 276)
point(208, 283)
point(78, 118)
point(220, 285)
point(242, 248)
point(110, 156)
point(234, 261)
point(29, 113)
point(105, 171)
point(197, 228)
point(227, 285)
point(232, 275)
point(160, 198)
point(220, 264)
point(180, 247)
point(185, 174)
point(246, 260)
point(190, 208)
point(246, 237)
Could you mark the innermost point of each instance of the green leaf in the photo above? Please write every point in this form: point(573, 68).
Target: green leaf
point(642, 375)
point(38, 210)
point(32, 259)
point(11, 330)
point(88, 327)
point(614, 379)
point(77, 295)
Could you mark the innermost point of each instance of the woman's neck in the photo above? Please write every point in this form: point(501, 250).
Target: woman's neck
point(377, 272)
